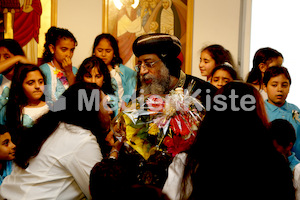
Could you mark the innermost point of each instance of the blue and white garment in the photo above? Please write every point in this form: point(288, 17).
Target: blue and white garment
point(4, 95)
point(30, 115)
point(124, 83)
point(286, 112)
point(53, 87)
point(7, 171)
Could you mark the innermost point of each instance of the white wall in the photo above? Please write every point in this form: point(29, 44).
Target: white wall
point(276, 27)
point(84, 20)
point(215, 22)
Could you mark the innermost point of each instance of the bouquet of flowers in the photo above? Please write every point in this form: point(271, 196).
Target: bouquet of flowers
point(156, 123)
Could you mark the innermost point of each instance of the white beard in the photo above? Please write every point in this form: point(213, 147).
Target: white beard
point(159, 85)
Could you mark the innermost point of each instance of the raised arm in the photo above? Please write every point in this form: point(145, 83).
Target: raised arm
point(10, 62)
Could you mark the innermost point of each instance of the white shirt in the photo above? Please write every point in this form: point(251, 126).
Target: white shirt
point(61, 170)
point(172, 187)
point(296, 181)
point(35, 113)
point(263, 94)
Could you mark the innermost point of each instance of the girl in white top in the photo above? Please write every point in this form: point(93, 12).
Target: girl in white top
point(26, 103)
point(54, 157)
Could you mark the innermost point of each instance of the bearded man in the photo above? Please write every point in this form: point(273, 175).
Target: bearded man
point(159, 69)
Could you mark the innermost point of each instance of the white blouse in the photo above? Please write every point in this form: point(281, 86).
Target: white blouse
point(172, 187)
point(61, 170)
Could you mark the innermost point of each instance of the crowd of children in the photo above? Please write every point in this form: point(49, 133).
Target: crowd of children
point(31, 94)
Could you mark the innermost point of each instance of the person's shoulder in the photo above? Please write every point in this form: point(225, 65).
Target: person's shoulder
point(74, 69)
point(44, 66)
point(45, 69)
point(293, 106)
point(270, 108)
point(200, 84)
point(126, 69)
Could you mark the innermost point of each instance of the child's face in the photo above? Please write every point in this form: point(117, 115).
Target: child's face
point(221, 78)
point(94, 77)
point(33, 86)
point(207, 64)
point(63, 49)
point(271, 63)
point(6, 54)
point(276, 62)
point(7, 147)
point(277, 89)
point(104, 51)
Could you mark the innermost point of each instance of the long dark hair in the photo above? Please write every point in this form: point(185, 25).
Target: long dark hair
point(86, 118)
point(234, 149)
point(51, 37)
point(263, 55)
point(219, 54)
point(13, 46)
point(114, 44)
point(86, 67)
point(17, 98)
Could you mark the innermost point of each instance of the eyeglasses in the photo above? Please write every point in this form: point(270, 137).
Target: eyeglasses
point(147, 65)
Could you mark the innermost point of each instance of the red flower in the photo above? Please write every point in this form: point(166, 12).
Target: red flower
point(177, 144)
point(168, 141)
point(179, 125)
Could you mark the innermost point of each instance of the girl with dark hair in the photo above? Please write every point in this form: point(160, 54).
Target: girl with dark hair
point(263, 59)
point(235, 159)
point(94, 70)
point(27, 101)
point(54, 157)
point(59, 48)
point(123, 78)
point(212, 56)
point(223, 74)
point(11, 54)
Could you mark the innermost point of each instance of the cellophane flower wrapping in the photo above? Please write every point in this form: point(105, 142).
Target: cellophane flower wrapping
point(164, 123)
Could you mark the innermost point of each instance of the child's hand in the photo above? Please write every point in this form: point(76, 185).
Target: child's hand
point(24, 60)
point(110, 138)
point(67, 65)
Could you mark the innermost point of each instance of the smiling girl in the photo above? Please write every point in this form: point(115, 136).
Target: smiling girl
point(211, 57)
